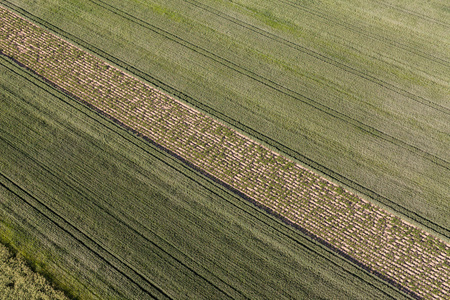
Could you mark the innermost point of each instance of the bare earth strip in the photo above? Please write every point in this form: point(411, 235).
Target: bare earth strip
point(408, 257)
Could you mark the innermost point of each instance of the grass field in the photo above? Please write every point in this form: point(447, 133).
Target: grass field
point(130, 221)
point(358, 91)
point(390, 248)
point(18, 281)
point(364, 101)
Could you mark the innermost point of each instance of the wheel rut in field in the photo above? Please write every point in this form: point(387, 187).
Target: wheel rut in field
point(248, 130)
point(398, 252)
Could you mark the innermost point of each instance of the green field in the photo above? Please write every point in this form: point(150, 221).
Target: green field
point(129, 221)
point(18, 281)
point(390, 248)
point(357, 90)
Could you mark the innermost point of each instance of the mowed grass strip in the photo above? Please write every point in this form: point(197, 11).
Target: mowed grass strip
point(158, 216)
point(378, 65)
point(393, 249)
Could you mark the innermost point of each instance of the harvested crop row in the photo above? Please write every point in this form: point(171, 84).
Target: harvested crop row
point(387, 245)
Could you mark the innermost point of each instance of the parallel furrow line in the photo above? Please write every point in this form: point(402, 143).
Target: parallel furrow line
point(81, 238)
point(250, 210)
point(323, 58)
point(413, 13)
point(108, 212)
point(24, 221)
point(371, 36)
point(369, 234)
point(280, 88)
point(250, 131)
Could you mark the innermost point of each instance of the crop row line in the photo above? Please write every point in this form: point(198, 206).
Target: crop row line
point(82, 239)
point(278, 87)
point(15, 215)
point(84, 193)
point(306, 204)
point(370, 35)
point(248, 208)
point(280, 147)
point(413, 13)
point(322, 58)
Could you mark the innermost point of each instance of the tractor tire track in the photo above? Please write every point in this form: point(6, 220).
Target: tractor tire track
point(434, 227)
point(250, 208)
point(323, 58)
point(371, 36)
point(86, 193)
point(381, 277)
point(90, 78)
point(121, 221)
point(23, 219)
point(81, 238)
point(279, 88)
point(413, 13)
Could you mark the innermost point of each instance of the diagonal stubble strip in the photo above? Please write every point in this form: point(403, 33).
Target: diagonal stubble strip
point(398, 252)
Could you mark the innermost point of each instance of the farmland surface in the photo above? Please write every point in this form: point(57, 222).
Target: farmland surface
point(129, 220)
point(18, 281)
point(357, 90)
point(394, 250)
